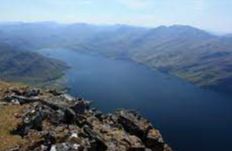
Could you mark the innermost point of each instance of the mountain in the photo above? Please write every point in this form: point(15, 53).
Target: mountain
point(29, 67)
point(184, 51)
point(228, 35)
point(188, 53)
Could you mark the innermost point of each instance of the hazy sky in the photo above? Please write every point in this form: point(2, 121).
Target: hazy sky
point(213, 15)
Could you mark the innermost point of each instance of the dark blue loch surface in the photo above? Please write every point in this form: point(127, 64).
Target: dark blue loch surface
point(190, 118)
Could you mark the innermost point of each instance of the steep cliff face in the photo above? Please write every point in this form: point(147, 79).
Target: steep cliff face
point(55, 121)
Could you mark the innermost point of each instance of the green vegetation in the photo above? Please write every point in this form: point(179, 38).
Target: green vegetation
point(7, 123)
point(28, 67)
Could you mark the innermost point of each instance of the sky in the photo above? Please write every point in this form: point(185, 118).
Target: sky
point(211, 15)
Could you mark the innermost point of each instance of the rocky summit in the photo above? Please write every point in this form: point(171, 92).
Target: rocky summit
point(55, 121)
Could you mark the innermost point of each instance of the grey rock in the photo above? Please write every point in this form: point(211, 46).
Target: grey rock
point(81, 106)
point(64, 123)
point(134, 123)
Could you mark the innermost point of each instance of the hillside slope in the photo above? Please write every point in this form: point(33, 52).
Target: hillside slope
point(184, 51)
point(29, 67)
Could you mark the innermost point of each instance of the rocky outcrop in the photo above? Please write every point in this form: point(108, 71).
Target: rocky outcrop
point(54, 121)
point(136, 125)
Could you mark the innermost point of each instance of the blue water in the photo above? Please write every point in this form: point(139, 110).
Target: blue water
point(189, 118)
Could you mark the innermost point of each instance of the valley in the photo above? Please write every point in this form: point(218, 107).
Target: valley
point(179, 77)
point(185, 114)
point(184, 51)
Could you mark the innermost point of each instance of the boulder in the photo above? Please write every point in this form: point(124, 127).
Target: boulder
point(97, 142)
point(99, 115)
point(68, 97)
point(81, 106)
point(69, 116)
point(133, 123)
point(54, 92)
point(32, 120)
point(66, 147)
point(57, 117)
point(154, 140)
point(20, 99)
point(31, 92)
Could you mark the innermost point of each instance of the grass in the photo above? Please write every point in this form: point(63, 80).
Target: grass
point(8, 122)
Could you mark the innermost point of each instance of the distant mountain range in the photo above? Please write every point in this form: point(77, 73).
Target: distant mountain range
point(187, 52)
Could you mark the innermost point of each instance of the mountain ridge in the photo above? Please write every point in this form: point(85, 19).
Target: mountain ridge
point(29, 67)
point(187, 52)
